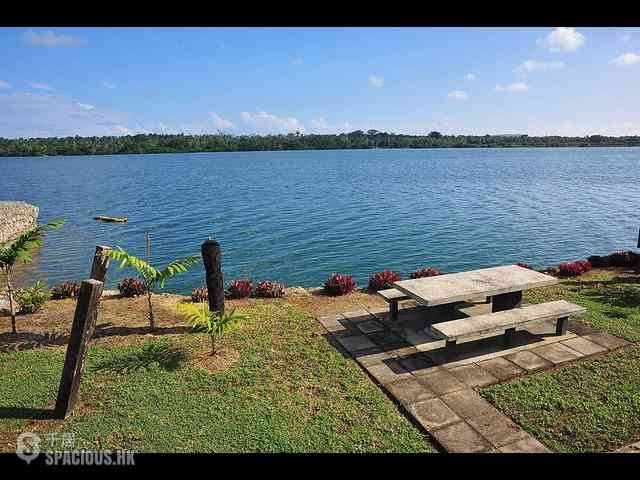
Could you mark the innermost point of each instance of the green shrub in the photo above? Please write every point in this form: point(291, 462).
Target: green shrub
point(32, 298)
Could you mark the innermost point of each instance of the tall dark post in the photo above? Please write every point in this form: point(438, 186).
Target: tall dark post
point(100, 264)
point(81, 331)
point(212, 259)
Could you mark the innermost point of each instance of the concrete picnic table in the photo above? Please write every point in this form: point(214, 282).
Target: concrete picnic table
point(503, 284)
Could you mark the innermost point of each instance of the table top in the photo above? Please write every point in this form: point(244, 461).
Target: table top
point(486, 282)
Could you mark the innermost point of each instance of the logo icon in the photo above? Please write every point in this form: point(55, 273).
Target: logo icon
point(28, 446)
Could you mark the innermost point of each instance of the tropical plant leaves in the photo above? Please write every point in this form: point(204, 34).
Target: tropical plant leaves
point(19, 248)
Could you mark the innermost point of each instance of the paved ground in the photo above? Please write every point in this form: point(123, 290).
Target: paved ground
point(438, 388)
point(633, 448)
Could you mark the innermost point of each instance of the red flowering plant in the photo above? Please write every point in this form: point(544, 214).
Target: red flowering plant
point(573, 269)
point(425, 272)
point(383, 280)
point(240, 288)
point(338, 284)
point(268, 289)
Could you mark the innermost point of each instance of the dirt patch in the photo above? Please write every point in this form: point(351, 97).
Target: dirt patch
point(224, 358)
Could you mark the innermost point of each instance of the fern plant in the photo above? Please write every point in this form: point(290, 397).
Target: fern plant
point(212, 323)
point(151, 276)
point(20, 249)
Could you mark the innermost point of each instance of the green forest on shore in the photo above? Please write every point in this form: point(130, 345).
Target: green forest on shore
point(223, 142)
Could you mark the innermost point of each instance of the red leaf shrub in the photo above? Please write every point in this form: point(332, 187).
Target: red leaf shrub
point(425, 272)
point(199, 295)
point(131, 287)
point(65, 290)
point(338, 284)
point(383, 280)
point(240, 289)
point(268, 289)
point(573, 269)
point(524, 265)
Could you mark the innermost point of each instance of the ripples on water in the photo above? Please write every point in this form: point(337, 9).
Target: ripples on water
point(298, 216)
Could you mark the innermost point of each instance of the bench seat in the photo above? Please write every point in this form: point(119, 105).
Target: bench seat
point(393, 296)
point(507, 321)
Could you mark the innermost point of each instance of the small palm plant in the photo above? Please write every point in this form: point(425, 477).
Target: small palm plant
point(20, 249)
point(151, 276)
point(205, 320)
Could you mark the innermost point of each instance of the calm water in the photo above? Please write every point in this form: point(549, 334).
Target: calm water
point(298, 216)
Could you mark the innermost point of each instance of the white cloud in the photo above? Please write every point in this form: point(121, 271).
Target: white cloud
point(297, 61)
point(272, 123)
point(41, 86)
point(320, 125)
point(48, 38)
point(529, 66)
point(41, 114)
point(457, 95)
point(625, 38)
point(110, 85)
point(86, 106)
point(220, 122)
point(562, 39)
point(626, 59)
point(469, 77)
point(512, 87)
point(4, 84)
point(376, 81)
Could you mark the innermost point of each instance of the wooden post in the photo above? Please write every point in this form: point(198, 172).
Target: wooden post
point(212, 259)
point(81, 331)
point(100, 264)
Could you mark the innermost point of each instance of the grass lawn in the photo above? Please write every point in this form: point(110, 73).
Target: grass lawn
point(277, 387)
point(592, 406)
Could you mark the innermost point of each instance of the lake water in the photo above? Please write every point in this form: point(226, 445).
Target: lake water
point(298, 216)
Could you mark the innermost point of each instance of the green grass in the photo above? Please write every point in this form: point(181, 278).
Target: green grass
point(592, 406)
point(612, 302)
point(290, 391)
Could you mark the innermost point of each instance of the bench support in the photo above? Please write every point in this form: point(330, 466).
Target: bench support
point(393, 310)
point(487, 300)
point(509, 333)
point(561, 325)
point(506, 301)
point(450, 344)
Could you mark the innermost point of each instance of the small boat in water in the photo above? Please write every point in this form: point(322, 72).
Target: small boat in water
point(111, 219)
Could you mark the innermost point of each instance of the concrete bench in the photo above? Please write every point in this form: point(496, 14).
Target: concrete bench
point(393, 296)
point(507, 321)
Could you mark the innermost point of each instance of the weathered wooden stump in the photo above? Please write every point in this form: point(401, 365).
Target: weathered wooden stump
point(100, 264)
point(212, 259)
point(81, 331)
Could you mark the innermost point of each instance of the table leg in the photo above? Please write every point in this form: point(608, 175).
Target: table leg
point(506, 301)
point(393, 310)
point(561, 325)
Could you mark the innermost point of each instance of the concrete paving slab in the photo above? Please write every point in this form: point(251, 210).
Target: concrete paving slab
point(410, 391)
point(372, 356)
point(606, 340)
point(388, 371)
point(357, 316)
point(473, 376)
point(461, 437)
point(388, 340)
point(528, 445)
point(433, 414)
point(353, 343)
point(529, 361)
point(441, 382)
point(467, 403)
point(557, 353)
point(584, 346)
point(370, 326)
point(498, 429)
point(501, 368)
point(417, 363)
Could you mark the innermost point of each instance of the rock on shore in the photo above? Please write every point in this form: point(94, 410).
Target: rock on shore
point(15, 218)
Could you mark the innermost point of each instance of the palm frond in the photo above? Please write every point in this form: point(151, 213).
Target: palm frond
point(20, 247)
point(126, 259)
point(175, 267)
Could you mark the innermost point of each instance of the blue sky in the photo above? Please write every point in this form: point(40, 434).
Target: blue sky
point(118, 81)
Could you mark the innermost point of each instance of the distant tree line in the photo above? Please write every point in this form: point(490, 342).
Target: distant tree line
point(223, 142)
